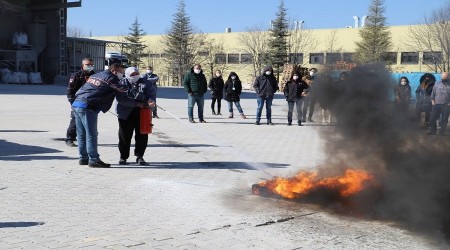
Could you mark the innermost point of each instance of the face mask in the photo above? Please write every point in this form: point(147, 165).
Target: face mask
point(218, 75)
point(119, 75)
point(295, 77)
point(149, 71)
point(268, 73)
point(133, 79)
point(312, 73)
point(197, 71)
point(88, 68)
point(403, 83)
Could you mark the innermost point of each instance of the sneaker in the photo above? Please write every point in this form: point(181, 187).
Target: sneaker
point(269, 123)
point(140, 161)
point(191, 121)
point(202, 121)
point(219, 113)
point(289, 124)
point(83, 162)
point(156, 116)
point(257, 123)
point(70, 143)
point(310, 119)
point(230, 116)
point(243, 116)
point(299, 123)
point(99, 164)
point(214, 112)
point(122, 162)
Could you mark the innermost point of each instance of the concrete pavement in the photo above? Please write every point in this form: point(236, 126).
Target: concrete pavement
point(194, 194)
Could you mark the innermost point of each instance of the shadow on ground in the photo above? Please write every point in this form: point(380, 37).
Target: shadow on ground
point(10, 151)
point(20, 224)
point(202, 165)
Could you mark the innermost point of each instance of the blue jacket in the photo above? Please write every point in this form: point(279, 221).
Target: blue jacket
point(143, 88)
point(151, 79)
point(99, 91)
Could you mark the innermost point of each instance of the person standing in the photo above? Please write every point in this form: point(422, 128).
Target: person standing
point(151, 79)
point(75, 82)
point(294, 93)
point(440, 101)
point(233, 89)
point(423, 97)
point(402, 94)
point(129, 117)
point(194, 82)
point(96, 95)
point(309, 99)
point(216, 87)
point(265, 87)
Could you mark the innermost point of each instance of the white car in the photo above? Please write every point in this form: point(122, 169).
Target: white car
point(115, 55)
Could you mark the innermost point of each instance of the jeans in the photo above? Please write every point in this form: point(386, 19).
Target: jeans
point(71, 134)
point(238, 106)
point(86, 120)
point(268, 100)
point(436, 111)
point(308, 102)
point(192, 100)
point(298, 103)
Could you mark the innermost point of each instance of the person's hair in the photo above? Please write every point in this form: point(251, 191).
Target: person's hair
point(197, 64)
point(88, 59)
point(313, 69)
point(403, 77)
point(149, 67)
point(422, 82)
point(116, 66)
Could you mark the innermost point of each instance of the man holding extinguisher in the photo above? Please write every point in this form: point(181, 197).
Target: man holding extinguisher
point(130, 117)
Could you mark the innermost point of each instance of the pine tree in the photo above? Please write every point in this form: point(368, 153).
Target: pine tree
point(134, 51)
point(178, 42)
point(375, 36)
point(278, 43)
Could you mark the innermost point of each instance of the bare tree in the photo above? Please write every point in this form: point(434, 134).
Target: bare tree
point(332, 47)
point(300, 43)
point(74, 31)
point(433, 38)
point(254, 40)
point(208, 56)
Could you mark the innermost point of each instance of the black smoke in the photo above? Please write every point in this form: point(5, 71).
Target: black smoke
point(411, 168)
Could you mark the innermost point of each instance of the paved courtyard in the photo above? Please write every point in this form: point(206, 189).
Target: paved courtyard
point(194, 193)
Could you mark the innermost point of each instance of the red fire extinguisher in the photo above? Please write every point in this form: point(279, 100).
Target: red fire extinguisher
point(146, 121)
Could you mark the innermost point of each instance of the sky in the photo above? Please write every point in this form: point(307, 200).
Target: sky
point(114, 17)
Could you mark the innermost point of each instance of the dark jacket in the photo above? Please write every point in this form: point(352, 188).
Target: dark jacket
point(233, 88)
point(216, 87)
point(195, 83)
point(99, 91)
point(77, 80)
point(265, 85)
point(293, 89)
point(402, 93)
point(143, 91)
point(423, 97)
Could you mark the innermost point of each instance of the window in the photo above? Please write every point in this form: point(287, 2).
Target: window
point(296, 58)
point(333, 57)
point(163, 55)
point(347, 57)
point(154, 55)
point(410, 58)
point(316, 58)
point(432, 57)
point(233, 58)
point(221, 58)
point(389, 57)
point(246, 58)
point(203, 53)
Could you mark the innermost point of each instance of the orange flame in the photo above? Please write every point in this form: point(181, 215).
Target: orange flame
point(352, 182)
